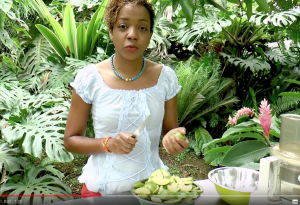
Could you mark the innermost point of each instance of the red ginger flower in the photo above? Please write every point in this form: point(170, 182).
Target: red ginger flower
point(243, 111)
point(265, 117)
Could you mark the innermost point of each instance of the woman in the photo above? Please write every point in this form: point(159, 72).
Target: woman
point(121, 92)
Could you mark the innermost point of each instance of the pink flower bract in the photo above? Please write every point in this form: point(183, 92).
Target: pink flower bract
point(240, 112)
point(265, 117)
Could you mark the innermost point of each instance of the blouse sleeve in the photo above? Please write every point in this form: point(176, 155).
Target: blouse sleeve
point(171, 83)
point(84, 84)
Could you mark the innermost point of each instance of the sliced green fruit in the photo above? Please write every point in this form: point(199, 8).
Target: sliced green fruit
point(183, 194)
point(156, 199)
point(166, 195)
point(187, 182)
point(151, 186)
point(160, 173)
point(160, 189)
point(160, 181)
point(173, 189)
point(149, 179)
point(142, 191)
point(138, 185)
point(197, 191)
point(185, 187)
point(156, 190)
point(187, 200)
point(143, 196)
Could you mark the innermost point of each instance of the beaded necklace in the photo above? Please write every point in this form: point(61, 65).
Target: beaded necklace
point(126, 79)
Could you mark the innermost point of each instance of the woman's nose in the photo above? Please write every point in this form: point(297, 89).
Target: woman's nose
point(132, 34)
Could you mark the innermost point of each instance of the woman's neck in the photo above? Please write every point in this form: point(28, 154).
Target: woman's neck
point(127, 68)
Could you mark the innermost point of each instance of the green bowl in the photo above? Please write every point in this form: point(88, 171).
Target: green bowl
point(234, 184)
point(148, 202)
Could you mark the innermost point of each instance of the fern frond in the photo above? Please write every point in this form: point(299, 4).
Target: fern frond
point(285, 104)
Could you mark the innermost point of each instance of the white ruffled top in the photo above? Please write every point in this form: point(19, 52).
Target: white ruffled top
point(115, 111)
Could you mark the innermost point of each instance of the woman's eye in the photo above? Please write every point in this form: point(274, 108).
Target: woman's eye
point(143, 28)
point(122, 26)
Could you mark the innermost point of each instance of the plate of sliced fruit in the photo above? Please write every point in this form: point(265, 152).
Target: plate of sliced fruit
point(163, 188)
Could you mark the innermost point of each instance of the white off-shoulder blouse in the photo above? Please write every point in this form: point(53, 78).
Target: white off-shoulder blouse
point(115, 111)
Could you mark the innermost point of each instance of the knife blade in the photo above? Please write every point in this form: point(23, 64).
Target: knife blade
point(141, 127)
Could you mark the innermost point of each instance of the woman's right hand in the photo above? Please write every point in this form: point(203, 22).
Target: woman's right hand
point(122, 144)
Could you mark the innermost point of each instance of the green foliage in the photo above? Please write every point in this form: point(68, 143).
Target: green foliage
point(203, 25)
point(245, 152)
point(37, 55)
point(9, 159)
point(77, 41)
point(202, 137)
point(254, 64)
point(285, 104)
point(249, 144)
point(280, 19)
point(31, 121)
point(35, 181)
point(159, 43)
point(289, 100)
point(204, 92)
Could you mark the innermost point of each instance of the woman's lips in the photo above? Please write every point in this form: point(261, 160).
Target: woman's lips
point(131, 48)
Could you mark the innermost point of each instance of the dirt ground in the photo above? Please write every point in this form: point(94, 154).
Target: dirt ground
point(187, 164)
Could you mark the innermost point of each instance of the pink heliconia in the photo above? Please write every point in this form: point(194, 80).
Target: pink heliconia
point(265, 117)
point(240, 112)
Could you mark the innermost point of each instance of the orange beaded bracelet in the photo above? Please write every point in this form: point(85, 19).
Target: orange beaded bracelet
point(104, 142)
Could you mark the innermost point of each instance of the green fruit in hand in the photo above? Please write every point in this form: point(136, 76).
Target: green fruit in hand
point(178, 134)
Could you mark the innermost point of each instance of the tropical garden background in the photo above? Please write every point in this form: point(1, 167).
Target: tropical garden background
point(237, 61)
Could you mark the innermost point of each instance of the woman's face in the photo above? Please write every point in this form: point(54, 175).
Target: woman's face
point(131, 32)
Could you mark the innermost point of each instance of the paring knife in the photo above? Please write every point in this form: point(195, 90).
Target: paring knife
point(141, 127)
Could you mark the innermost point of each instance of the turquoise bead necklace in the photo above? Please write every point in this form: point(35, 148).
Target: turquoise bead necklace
point(126, 79)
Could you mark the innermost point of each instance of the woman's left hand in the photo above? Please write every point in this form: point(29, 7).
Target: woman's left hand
point(175, 145)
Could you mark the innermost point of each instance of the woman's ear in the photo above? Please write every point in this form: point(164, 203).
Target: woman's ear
point(110, 35)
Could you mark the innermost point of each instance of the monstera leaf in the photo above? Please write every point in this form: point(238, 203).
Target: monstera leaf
point(36, 182)
point(8, 158)
point(37, 55)
point(35, 127)
point(254, 64)
point(5, 5)
point(278, 56)
point(280, 19)
point(11, 99)
point(202, 25)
